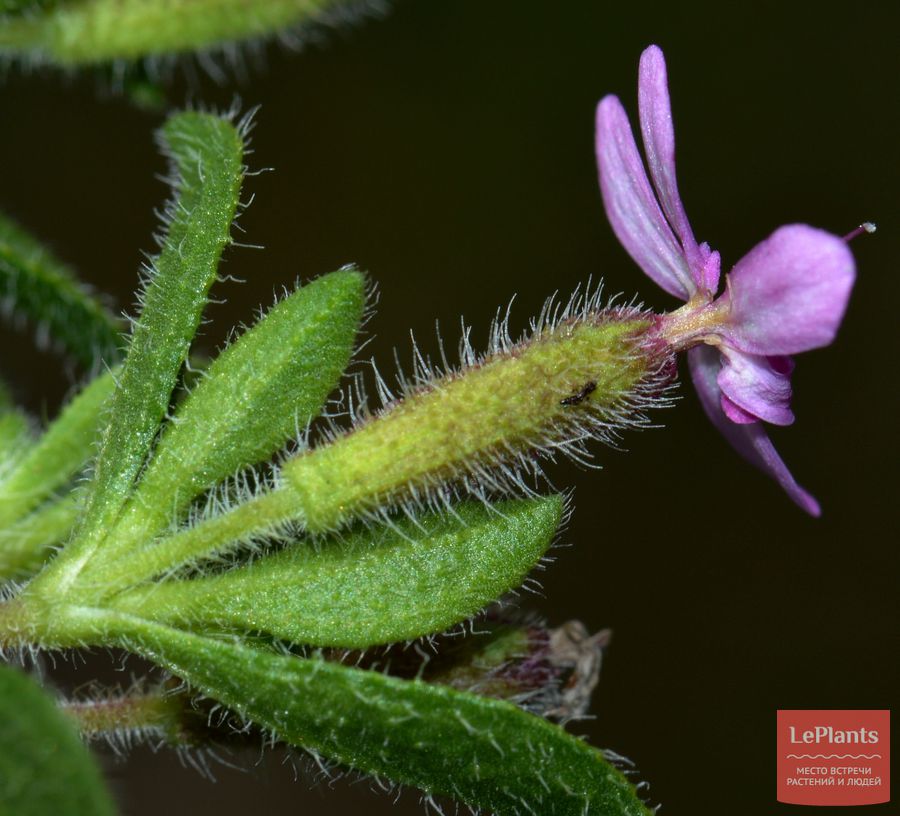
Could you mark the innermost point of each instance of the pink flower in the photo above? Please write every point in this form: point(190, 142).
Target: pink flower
point(785, 296)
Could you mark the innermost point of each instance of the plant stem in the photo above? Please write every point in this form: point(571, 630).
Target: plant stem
point(150, 713)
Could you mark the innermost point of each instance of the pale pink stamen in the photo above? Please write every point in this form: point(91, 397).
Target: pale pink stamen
point(866, 227)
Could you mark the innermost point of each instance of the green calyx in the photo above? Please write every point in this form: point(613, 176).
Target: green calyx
point(560, 384)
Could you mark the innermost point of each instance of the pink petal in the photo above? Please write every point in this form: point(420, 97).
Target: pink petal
point(735, 413)
point(631, 206)
point(790, 292)
point(755, 386)
point(659, 144)
point(750, 440)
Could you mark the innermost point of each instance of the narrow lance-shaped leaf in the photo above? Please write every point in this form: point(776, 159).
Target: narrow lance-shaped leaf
point(372, 587)
point(25, 545)
point(36, 286)
point(15, 439)
point(269, 383)
point(487, 753)
point(15, 432)
point(30, 471)
point(207, 167)
point(63, 450)
point(20, 6)
point(44, 768)
point(93, 31)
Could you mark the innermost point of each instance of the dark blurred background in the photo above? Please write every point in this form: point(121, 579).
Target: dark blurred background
point(448, 149)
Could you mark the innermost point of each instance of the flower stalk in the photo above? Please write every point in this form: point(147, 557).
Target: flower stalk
point(124, 718)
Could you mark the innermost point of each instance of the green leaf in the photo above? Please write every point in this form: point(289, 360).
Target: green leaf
point(484, 752)
point(36, 286)
point(371, 587)
point(62, 451)
point(92, 31)
point(15, 438)
point(44, 768)
point(24, 6)
point(25, 545)
point(15, 433)
point(253, 398)
point(207, 169)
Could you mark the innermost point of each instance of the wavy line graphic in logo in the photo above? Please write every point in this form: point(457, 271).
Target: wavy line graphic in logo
point(833, 756)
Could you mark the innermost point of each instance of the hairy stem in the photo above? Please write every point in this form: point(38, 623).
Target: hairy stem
point(149, 713)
